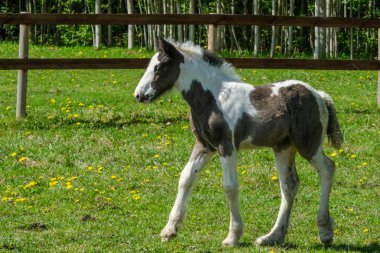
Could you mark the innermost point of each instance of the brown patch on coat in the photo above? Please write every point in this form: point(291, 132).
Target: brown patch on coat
point(291, 118)
point(271, 125)
point(207, 121)
point(167, 71)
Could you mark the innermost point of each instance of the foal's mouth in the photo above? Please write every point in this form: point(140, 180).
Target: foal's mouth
point(144, 98)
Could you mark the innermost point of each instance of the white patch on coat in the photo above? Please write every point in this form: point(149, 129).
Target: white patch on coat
point(144, 86)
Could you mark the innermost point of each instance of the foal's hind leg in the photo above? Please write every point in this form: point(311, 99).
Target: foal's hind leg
point(325, 168)
point(199, 157)
point(285, 162)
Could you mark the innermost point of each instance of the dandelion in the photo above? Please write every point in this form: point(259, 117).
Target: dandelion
point(27, 133)
point(341, 151)
point(5, 199)
point(22, 159)
point(53, 183)
point(8, 108)
point(90, 168)
point(68, 185)
point(52, 101)
point(136, 197)
point(76, 115)
point(78, 123)
point(18, 200)
point(81, 104)
point(113, 177)
point(156, 156)
point(30, 185)
point(14, 154)
point(50, 117)
point(114, 82)
point(272, 251)
point(353, 156)
point(185, 127)
point(364, 164)
point(351, 210)
point(365, 230)
point(274, 178)
point(333, 154)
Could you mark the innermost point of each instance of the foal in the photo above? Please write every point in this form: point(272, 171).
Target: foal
point(228, 115)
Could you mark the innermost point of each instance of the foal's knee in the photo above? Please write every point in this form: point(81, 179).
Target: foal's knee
point(231, 189)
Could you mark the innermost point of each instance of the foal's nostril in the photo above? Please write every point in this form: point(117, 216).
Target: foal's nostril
point(137, 96)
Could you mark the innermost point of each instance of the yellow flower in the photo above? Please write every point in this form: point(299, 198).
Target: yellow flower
point(69, 185)
point(351, 210)
point(156, 156)
point(22, 159)
point(14, 154)
point(333, 154)
point(53, 183)
point(81, 104)
point(136, 197)
point(114, 82)
point(272, 251)
point(353, 156)
point(30, 185)
point(90, 168)
point(341, 151)
point(20, 200)
point(113, 177)
point(274, 178)
point(78, 124)
point(365, 230)
point(52, 101)
point(50, 117)
point(8, 108)
point(364, 164)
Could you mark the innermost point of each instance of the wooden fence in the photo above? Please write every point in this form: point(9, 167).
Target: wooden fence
point(23, 64)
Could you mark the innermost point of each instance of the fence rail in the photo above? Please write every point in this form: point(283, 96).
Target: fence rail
point(25, 19)
point(138, 63)
point(194, 19)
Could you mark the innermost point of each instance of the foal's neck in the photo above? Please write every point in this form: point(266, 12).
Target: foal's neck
point(211, 78)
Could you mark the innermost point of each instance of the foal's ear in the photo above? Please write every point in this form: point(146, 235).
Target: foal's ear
point(167, 48)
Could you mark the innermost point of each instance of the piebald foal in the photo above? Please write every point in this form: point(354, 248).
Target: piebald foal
point(228, 115)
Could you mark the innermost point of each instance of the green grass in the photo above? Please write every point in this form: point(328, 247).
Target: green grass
point(91, 170)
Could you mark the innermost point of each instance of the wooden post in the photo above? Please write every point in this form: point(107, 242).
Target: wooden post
point(211, 37)
point(22, 77)
point(378, 73)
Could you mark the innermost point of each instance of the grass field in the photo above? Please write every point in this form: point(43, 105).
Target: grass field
point(91, 170)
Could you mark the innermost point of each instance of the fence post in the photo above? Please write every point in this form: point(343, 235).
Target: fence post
point(211, 37)
point(22, 77)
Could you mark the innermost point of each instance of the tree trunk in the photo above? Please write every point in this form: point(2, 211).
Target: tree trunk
point(179, 26)
point(109, 27)
point(290, 29)
point(131, 30)
point(191, 27)
point(98, 29)
point(274, 33)
point(257, 43)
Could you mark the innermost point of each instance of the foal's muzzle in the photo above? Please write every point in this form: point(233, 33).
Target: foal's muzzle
point(143, 98)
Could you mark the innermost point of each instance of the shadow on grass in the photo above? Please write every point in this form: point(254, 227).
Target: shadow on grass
point(370, 248)
point(115, 122)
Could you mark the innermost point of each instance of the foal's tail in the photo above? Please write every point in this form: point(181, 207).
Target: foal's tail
point(333, 129)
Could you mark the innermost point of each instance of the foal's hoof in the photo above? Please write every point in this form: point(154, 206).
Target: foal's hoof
point(168, 234)
point(230, 242)
point(269, 240)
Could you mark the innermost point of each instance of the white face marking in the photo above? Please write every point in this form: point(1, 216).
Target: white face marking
point(144, 87)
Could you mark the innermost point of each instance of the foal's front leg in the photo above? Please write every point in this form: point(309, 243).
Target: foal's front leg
point(199, 157)
point(231, 188)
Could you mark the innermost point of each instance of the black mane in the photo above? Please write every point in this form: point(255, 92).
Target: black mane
point(212, 59)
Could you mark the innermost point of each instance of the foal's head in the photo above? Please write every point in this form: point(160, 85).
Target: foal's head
point(161, 74)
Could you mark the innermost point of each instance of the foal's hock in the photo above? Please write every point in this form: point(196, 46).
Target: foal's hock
point(228, 115)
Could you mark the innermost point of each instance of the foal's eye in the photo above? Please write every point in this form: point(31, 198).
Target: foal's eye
point(155, 68)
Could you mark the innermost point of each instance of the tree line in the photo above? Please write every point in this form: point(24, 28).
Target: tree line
point(251, 40)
